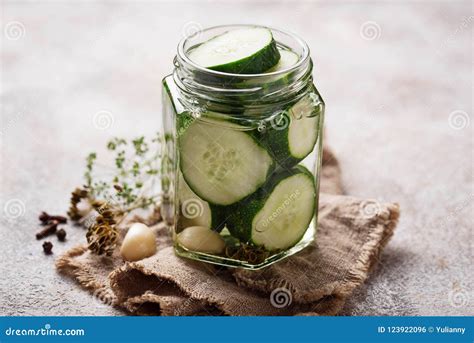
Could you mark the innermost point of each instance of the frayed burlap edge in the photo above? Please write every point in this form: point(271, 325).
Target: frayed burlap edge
point(369, 255)
point(69, 265)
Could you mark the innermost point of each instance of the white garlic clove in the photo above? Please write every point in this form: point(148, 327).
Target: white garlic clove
point(202, 239)
point(139, 242)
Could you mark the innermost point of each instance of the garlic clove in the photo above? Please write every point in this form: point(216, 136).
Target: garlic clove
point(202, 239)
point(139, 242)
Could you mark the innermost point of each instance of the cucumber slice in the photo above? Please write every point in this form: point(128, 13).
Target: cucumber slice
point(221, 164)
point(279, 213)
point(292, 134)
point(196, 212)
point(241, 51)
point(287, 59)
point(273, 83)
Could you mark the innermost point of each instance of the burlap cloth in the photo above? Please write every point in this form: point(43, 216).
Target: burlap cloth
point(316, 281)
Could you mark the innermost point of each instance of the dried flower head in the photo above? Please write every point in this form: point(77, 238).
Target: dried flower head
point(76, 196)
point(102, 236)
point(102, 239)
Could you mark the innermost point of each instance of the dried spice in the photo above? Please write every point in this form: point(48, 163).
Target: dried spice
point(76, 196)
point(247, 252)
point(102, 239)
point(102, 236)
point(61, 234)
point(48, 230)
point(46, 218)
point(107, 201)
point(48, 248)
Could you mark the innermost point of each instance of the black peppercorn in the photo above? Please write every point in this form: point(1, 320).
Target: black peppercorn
point(61, 234)
point(48, 248)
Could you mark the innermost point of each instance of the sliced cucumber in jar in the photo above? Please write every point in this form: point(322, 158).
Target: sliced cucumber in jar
point(290, 136)
point(287, 60)
point(277, 215)
point(274, 82)
point(221, 164)
point(194, 211)
point(240, 51)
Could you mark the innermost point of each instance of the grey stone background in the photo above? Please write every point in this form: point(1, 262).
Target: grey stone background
point(396, 77)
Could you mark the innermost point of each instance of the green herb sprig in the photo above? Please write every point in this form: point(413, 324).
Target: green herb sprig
point(131, 184)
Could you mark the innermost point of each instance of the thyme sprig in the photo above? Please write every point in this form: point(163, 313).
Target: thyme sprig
point(131, 184)
point(134, 179)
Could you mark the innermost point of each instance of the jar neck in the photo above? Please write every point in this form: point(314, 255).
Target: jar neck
point(249, 92)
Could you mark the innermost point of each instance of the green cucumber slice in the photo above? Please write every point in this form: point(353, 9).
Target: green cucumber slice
point(193, 211)
point(292, 134)
point(241, 51)
point(272, 82)
point(221, 164)
point(287, 59)
point(279, 213)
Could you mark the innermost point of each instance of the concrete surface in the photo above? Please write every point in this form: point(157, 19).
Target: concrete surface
point(396, 77)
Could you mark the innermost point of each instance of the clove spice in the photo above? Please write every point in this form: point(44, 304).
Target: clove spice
point(46, 218)
point(48, 230)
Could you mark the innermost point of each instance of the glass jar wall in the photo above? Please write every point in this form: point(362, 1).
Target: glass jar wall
point(241, 157)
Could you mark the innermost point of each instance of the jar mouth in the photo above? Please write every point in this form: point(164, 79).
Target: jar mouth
point(192, 40)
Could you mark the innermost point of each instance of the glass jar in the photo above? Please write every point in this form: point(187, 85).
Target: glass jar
point(241, 158)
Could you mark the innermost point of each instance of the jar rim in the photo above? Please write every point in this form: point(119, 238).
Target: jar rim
point(305, 55)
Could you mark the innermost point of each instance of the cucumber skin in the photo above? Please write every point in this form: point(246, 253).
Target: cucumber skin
point(240, 215)
point(218, 217)
point(277, 141)
point(255, 64)
point(277, 144)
